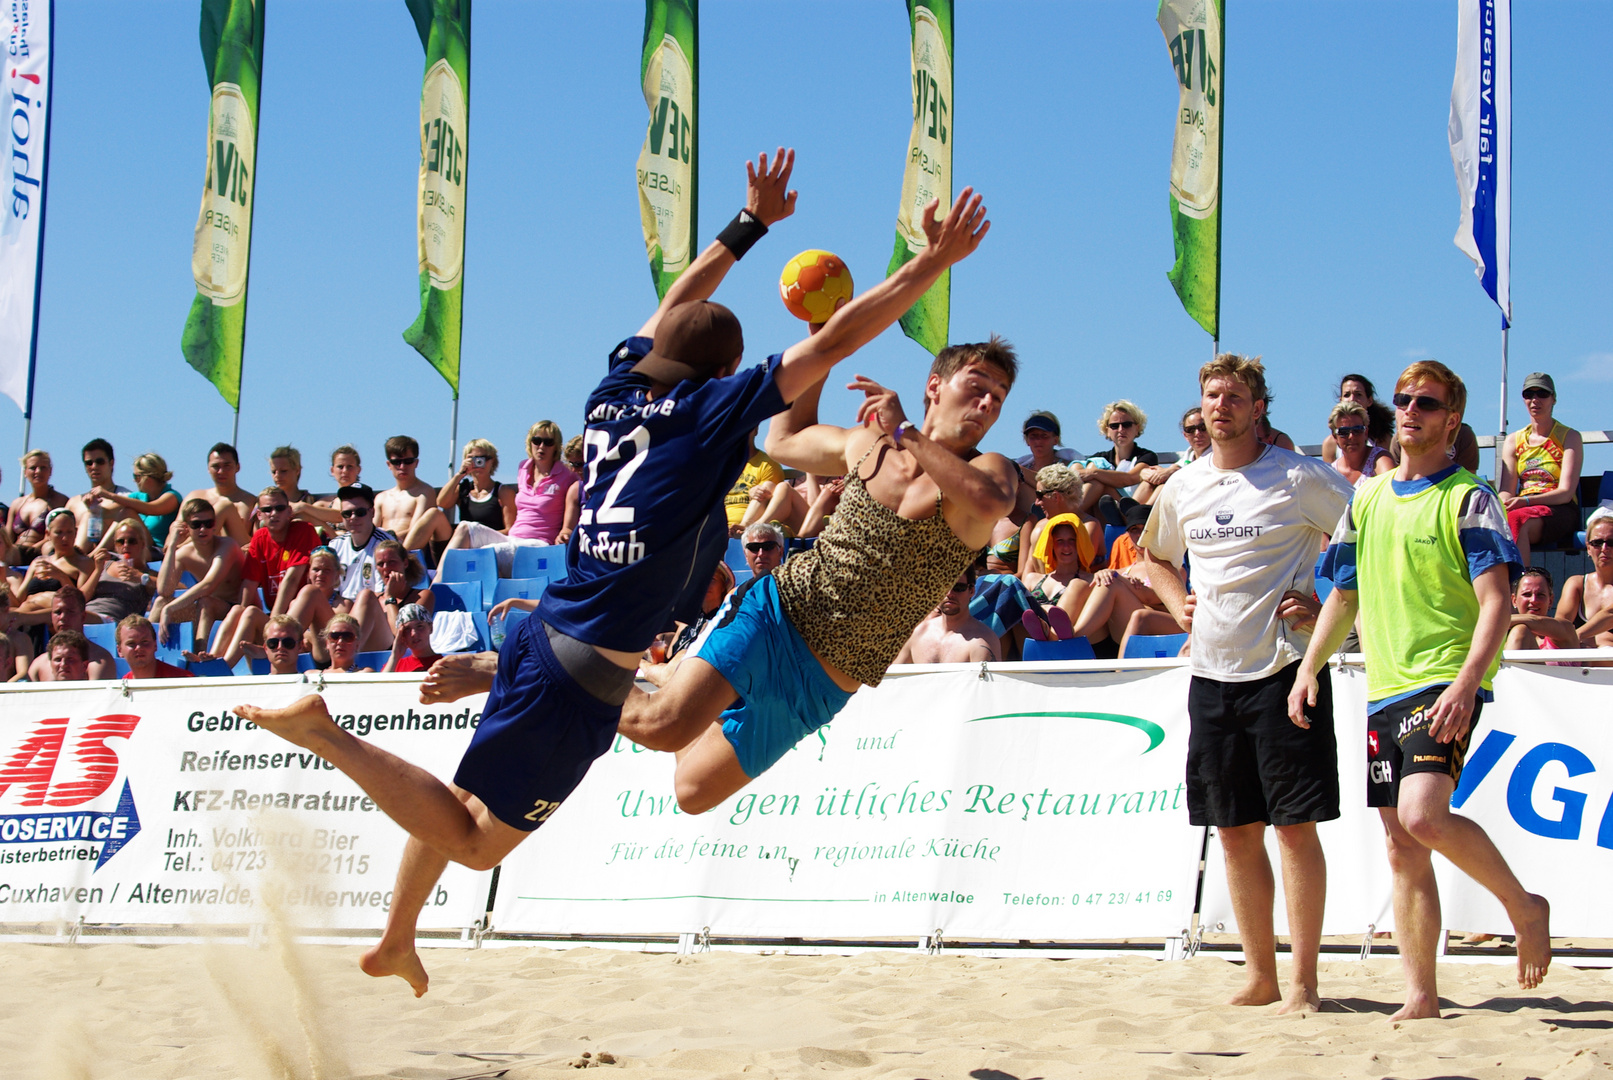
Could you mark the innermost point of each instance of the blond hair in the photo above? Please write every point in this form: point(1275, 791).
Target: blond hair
point(1244, 369)
point(1344, 409)
point(483, 448)
point(152, 465)
point(1122, 405)
point(1061, 478)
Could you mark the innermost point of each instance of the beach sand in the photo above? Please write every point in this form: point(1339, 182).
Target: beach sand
point(234, 1011)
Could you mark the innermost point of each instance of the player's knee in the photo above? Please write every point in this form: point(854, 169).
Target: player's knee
point(693, 796)
point(1426, 824)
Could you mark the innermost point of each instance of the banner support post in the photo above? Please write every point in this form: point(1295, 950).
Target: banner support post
point(1501, 436)
point(39, 257)
point(453, 433)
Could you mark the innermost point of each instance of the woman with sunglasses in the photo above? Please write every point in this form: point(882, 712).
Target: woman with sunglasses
point(1358, 460)
point(154, 498)
point(1197, 435)
point(1358, 390)
point(1118, 470)
point(25, 523)
point(320, 599)
point(1590, 596)
point(546, 490)
point(127, 583)
point(61, 563)
point(196, 546)
point(341, 644)
point(1540, 471)
point(1059, 493)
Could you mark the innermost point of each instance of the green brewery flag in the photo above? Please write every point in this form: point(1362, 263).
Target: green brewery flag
point(232, 49)
point(444, 27)
point(929, 163)
point(1196, 37)
point(669, 163)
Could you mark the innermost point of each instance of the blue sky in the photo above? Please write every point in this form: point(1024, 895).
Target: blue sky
point(1339, 204)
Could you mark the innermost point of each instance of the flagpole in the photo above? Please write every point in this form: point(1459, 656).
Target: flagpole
point(39, 256)
point(453, 435)
point(1501, 436)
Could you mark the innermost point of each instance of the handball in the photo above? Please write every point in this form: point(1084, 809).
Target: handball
point(813, 283)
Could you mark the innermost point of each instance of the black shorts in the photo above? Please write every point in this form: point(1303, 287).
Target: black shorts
point(1398, 743)
point(1248, 762)
point(539, 733)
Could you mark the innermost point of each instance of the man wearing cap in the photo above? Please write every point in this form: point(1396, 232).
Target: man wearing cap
point(651, 530)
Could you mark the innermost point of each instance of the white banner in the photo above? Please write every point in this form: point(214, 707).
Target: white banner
point(27, 73)
point(1481, 143)
point(1005, 806)
point(1539, 778)
point(160, 806)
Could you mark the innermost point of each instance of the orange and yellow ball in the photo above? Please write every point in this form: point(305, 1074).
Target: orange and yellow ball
point(813, 284)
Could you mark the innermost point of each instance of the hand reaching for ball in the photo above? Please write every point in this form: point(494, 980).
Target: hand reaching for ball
point(768, 197)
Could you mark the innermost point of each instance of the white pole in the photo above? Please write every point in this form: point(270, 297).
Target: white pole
point(453, 438)
point(1501, 436)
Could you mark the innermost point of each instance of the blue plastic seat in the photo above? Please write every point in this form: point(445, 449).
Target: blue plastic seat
point(1154, 646)
point(457, 595)
point(1111, 533)
point(540, 562)
point(515, 618)
point(181, 640)
point(305, 662)
point(103, 634)
point(254, 667)
point(209, 669)
point(470, 564)
point(518, 589)
point(376, 659)
point(735, 557)
point(1068, 649)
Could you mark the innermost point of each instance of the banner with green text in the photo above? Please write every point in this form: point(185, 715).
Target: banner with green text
point(215, 332)
point(1196, 37)
point(444, 27)
point(669, 163)
point(1039, 806)
point(928, 174)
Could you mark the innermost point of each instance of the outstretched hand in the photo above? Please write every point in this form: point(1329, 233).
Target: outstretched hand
point(955, 237)
point(880, 407)
point(767, 187)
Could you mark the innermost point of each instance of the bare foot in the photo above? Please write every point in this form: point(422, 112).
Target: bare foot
point(458, 675)
point(1256, 991)
point(305, 722)
point(1301, 999)
point(1533, 925)
point(1418, 1007)
point(384, 960)
point(1476, 938)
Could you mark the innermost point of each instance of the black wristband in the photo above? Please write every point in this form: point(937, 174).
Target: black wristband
point(741, 233)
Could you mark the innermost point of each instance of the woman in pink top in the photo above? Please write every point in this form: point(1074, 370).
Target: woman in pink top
point(547, 495)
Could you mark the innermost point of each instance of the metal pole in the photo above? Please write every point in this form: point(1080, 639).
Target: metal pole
point(1501, 436)
point(39, 257)
point(235, 426)
point(453, 437)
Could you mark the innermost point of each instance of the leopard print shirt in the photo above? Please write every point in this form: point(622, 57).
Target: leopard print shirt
point(856, 595)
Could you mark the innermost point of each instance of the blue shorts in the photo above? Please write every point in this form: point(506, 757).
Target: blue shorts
point(784, 693)
point(539, 733)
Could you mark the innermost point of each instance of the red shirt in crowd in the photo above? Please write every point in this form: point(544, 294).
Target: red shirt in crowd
point(166, 671)
point(267, 560)
point(412, 663)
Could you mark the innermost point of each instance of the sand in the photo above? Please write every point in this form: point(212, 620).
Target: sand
point(173, 1011)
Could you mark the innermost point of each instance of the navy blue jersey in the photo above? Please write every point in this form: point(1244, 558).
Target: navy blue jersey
point(652, 527)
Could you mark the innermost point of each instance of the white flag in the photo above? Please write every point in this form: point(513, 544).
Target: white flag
point(1481, 142)
point(26, 31)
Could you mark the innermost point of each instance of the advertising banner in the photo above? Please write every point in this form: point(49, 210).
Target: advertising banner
point(927, 174)
point(669, 162)
point(215, 332)
point(1481, 143)
point(160, 806)
point(999, 806)
point(27, 32)
point(444, 28)
point(1196, 37)
point(1539, 778)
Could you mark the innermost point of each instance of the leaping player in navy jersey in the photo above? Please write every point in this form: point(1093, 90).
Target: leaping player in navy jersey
point(667, 435)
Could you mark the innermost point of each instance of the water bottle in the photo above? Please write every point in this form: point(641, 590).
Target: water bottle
point(496, 631)
point(95, 527)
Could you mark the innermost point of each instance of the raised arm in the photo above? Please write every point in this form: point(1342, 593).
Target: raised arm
point(856, 324)
point(768, 199)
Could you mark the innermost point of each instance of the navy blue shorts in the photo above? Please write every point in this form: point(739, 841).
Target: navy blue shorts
point(784, 693)
point(539, 733)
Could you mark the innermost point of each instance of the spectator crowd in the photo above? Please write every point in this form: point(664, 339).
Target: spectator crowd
point(285, 578)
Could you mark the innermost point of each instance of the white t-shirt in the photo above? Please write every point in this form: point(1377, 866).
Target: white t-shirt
point(1252, 534)
point(358, 567)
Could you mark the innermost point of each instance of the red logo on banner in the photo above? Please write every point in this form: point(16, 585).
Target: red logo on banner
point(33, 765)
